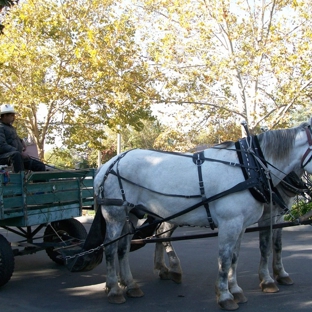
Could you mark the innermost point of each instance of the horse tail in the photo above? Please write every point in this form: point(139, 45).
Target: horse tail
point(91, 254)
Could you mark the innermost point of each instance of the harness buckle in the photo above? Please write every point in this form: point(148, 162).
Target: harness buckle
point(130, 205)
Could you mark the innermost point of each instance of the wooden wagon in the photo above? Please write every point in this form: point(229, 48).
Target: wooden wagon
point(42, 202)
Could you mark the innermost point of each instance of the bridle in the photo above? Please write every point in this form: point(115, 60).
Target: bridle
point(305, 160)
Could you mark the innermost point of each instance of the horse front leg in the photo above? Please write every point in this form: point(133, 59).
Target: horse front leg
point(228, 241)
point(174, 272)
point(126, 278)
point(267, 283)
point(281, 276)
point(235, 290)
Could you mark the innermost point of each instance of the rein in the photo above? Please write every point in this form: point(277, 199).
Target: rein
point(203, 158)
point(156, 239)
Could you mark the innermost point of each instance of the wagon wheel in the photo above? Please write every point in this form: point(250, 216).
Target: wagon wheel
point(65, 229)
point(6, 261)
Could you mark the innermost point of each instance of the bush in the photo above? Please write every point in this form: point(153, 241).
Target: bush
point(301, 206)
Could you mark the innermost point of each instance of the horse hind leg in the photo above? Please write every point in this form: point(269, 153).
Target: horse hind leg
point(281, 276)
point(174, 272)
point(112, 288)
point(116, 225)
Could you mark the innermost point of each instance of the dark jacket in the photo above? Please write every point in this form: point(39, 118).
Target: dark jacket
point(9, 140)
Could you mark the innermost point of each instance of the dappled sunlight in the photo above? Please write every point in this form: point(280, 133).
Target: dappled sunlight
point(84, 290)
point(154, 160)
point(298, 249)
point(42, 273)
point(304, 305)
point(299, 255)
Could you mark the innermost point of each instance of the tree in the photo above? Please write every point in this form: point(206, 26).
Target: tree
point(71, 67)
point(231, 60)
point(141, 138)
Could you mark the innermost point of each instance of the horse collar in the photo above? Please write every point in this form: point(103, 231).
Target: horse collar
point(252, 169)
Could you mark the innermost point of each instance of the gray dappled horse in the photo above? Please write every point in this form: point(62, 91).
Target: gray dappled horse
point(216, 191)
point(269, 241)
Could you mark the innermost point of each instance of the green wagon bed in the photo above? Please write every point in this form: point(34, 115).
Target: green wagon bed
point(50, 200)
point(44, 197)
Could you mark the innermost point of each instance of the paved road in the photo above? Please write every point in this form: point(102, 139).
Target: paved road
point(38, 284)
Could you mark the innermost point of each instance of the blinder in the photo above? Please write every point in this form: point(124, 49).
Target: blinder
point(305, 160)
point(294, 184)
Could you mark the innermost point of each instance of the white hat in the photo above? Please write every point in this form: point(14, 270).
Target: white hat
point(7, 109)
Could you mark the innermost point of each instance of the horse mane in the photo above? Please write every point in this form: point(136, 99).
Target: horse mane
point(277, 144)
point(225, 144)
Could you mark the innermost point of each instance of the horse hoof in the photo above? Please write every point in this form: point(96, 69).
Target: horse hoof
point(285, 280)
point(229, 305)
point(116, 298)
point(269, 288)
point(135, 293)
point(176, 277)
point(239, 298)
point(164, 275)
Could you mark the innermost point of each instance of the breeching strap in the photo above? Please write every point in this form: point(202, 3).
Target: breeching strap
point(237, 188)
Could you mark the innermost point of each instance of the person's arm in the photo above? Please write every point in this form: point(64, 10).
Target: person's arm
point(4, 146)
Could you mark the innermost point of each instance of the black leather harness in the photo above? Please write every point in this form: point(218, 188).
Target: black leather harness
point(255, 180)
point(198, 159)
point(249, 153)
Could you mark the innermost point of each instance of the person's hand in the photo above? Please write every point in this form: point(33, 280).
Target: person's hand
point(24, 145)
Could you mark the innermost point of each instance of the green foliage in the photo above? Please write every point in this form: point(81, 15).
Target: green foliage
point(143, 138)
point(300, 208)
point(232, 60)
point(303, 204)
point(7, 3)
point(77, 61)
point(74, 69)
point(63, 158)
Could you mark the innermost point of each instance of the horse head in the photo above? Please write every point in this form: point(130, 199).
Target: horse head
point(287, 150)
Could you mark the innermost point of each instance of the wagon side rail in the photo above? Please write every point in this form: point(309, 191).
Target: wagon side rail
point(43, 197)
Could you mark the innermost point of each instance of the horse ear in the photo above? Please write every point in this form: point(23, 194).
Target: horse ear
point(308, 124)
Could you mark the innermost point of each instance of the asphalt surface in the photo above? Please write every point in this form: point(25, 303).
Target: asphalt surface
point(38, 284)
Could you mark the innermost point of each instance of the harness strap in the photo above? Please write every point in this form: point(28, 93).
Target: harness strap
point(153, 191)
point(229, 163)
point(122, 191)
point(198, 159)
point(237, 188)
